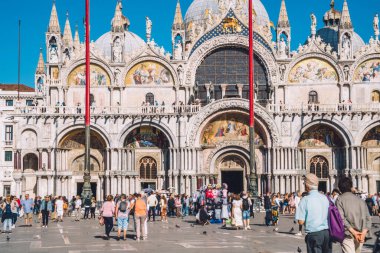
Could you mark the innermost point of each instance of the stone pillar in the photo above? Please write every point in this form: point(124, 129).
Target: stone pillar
point(360, 185)
point(269, 183)
point(276, 184)
point(223, 86)
point(259, 186)
point(240, 89)
point(371, 185)
point(132, 186)
point(15, 167)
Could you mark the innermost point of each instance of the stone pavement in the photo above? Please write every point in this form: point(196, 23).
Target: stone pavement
point(176, 236)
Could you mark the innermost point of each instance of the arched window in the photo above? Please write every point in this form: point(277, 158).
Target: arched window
point(149, 98)
point(148, 168)
point(229, 66)
point(319, 166)
point(375, 96)
point(313, 97)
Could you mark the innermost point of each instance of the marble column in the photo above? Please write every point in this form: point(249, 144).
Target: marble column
point(360, 185)
point(276, 184)
point(269, 183)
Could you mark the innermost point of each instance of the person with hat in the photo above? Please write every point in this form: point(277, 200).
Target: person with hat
point(313, 213)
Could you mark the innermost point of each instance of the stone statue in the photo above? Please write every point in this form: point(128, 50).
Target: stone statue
point(148, 28)
point(282, 71)
point(313, 26)
point(178, 49)
point(117, 77)
point(190, 31)
point(180, 74)
point(346, 70)
point(282, 48)
point(53, 53)
point(117, 51)
point(346, 47)
point(376, 26)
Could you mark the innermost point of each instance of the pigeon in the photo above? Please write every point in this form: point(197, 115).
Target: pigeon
point(192, 225)
point(291, 230)
point(205, 232)
point(177, 226)
point(299, 250)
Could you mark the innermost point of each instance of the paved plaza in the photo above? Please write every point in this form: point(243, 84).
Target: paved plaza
point(176, 236)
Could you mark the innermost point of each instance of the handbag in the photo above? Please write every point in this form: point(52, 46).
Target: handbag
point(101, 220)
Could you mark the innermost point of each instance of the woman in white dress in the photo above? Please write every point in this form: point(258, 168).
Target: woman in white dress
point(237, 211)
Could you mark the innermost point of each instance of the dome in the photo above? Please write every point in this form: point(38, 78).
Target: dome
point(132, 43)
point(197, 10)
point(330, 36)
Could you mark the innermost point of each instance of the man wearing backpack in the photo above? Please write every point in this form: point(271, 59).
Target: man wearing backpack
point(7, 216)
point(356, 218)
point(313, 212)
point(246, 210)
point(122, 214)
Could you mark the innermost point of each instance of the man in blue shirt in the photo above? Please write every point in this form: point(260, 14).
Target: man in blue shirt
point(27, 206)
point(313, 213)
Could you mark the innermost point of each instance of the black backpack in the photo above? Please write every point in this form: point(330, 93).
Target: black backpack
point(123, 206)
point(245, 204)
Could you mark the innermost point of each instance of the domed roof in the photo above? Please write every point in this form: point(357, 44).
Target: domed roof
point(196, 11)
point(132, 43)
point(330, 36)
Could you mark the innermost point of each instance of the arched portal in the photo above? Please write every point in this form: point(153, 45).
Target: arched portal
point(224, 74)
point(233, 169)
point(70, 159)
point(30, 166)
point(148, 146)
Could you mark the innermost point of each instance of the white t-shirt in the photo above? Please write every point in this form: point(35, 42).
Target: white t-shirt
point(78, 203)
point(297, 201)
point(59, 204)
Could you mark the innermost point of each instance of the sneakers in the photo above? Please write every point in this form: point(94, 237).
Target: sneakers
point(299, 234)
point(13, 226)
point(249, 228)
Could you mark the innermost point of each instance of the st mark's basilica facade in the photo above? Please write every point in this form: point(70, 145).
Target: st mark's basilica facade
point(179, 120)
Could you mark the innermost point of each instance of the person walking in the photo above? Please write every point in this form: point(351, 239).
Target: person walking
point(93, 207)
point(7, 215)
point(140, 216)
point(78, 208)
point(356, 218)
point(59, 209)
point(268, 209)
point(45, 209)
point(164, 207)
point(313, 212)
point(122, 214)
point(107, 212)
point(87, 206)
point(297, 200)
point(27, 205)
point(246, 208)
point(152, 203)
point(15, 208)
point(237, 214)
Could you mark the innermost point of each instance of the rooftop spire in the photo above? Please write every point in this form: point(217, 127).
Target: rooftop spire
point(76, 37)
point(332, 4)
point(41, 64)
point(54, 23)
point(119, 22)
point(178, 19)
point(67, 35)
point(345, 21)
point(283, 19)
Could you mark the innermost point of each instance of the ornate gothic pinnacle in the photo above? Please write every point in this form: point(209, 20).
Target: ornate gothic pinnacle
point(67, 34)
point(345, 21)
point(54, 23)
point(283, 19)
point(178, 19)
point(41, 64)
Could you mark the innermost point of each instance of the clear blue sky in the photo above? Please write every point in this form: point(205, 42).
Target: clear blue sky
point(35, 18)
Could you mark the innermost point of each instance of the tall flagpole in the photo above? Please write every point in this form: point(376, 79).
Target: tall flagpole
point(86, 192)
point(252, 165)
point(19, 61)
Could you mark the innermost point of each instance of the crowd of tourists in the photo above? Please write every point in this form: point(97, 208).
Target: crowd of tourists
point(342, 216)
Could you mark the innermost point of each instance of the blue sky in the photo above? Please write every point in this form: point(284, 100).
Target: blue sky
point(35, 15)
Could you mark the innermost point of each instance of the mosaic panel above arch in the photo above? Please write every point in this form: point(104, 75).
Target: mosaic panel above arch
point(368, 71)
point(76, 140)
point(228, 127)
point(320, 136)
point(149, 73)
point(146, 137)
point(98, 76)
point(313, 70)
point(372, 138)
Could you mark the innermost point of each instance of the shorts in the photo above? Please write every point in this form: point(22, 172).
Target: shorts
point(59, 212)
point(28, 216)
point(122, 223)
point(246, 215)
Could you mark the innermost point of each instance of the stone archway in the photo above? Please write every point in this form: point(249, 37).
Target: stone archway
point(148, 172)
point(30, 167)
point(233, 169)
point(319, 166)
